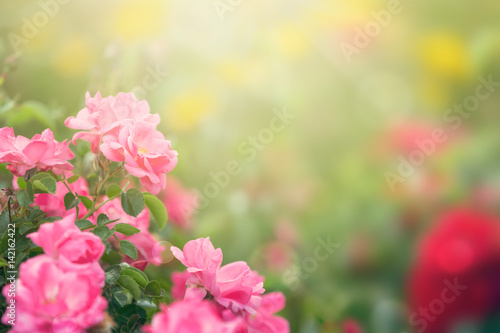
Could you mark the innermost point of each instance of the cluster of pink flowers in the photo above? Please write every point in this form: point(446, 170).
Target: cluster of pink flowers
point(42, 151)
point(124, 130)
point(46, 298)
point(238, 305)
point(61, 290)
point(189, 316)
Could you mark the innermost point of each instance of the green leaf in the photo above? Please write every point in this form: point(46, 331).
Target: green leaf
point(84, 224)
point(3, 262)
point(112, 257)
point(126, 229)
point(130, 285)
point(133, 320)
point(129, 310)
point(47, 184)
point(73, 179)
point(92, 177)
point(157, 209)
point(29, 189)
point(136, 274)
point(102, 219)
point(41, 175)
point(127, 248)
point(122, 297)
point(132, 202)
point(26, 227)
point(112, 274)
point(113, 191)
point(70, 201)
point(36, 250)
point(148, 306)
point(24, 198)
point(153, 289)
point(22, 243)
point(86, 201)
point(19, 258)
point(4, 242)
point(21, 183)
point(103, 232)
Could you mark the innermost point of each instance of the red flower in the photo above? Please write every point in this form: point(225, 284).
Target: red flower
point(455, 277)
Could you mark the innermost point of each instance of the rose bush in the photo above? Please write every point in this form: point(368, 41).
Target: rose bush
point(84, 238)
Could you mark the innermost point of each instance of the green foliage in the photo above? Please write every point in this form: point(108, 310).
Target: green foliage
point(29, 111)
point(157, 209)
point(137, 275)
point(126, 229)
point(128, 249)
point(73, 179)
point(84, 224)
point(153, 289)
point(130, 285)
point(102, 219)
point(133, 298)
point(132, 202)
point(86, 201)
point(112, 274)
point(70, 201)
point(21, 183)
point(24, 198)
point(103, 232)
point(113, 191)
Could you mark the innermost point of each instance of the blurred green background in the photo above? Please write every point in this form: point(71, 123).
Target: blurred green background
point(216, 70)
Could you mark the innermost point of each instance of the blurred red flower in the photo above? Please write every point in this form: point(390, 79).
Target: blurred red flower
point(456, 273)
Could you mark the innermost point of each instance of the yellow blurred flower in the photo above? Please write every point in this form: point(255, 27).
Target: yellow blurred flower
point(185, 111)
point(445, 54)
point(232, 72)
point(247, 73)
point(139, 19)
point(75, 57)
point(290, 41)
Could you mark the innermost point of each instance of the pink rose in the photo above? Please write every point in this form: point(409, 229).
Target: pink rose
point(73, 249)
point(103, 115)
point(234, 286)
point(179, 280)
point(42, 151)
point(148, 249)
point(188, 317)
point(146, 153)
point(238, 288)
point(201, 259)
point(180, 203)
point(264, 320)
point(49, 298)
